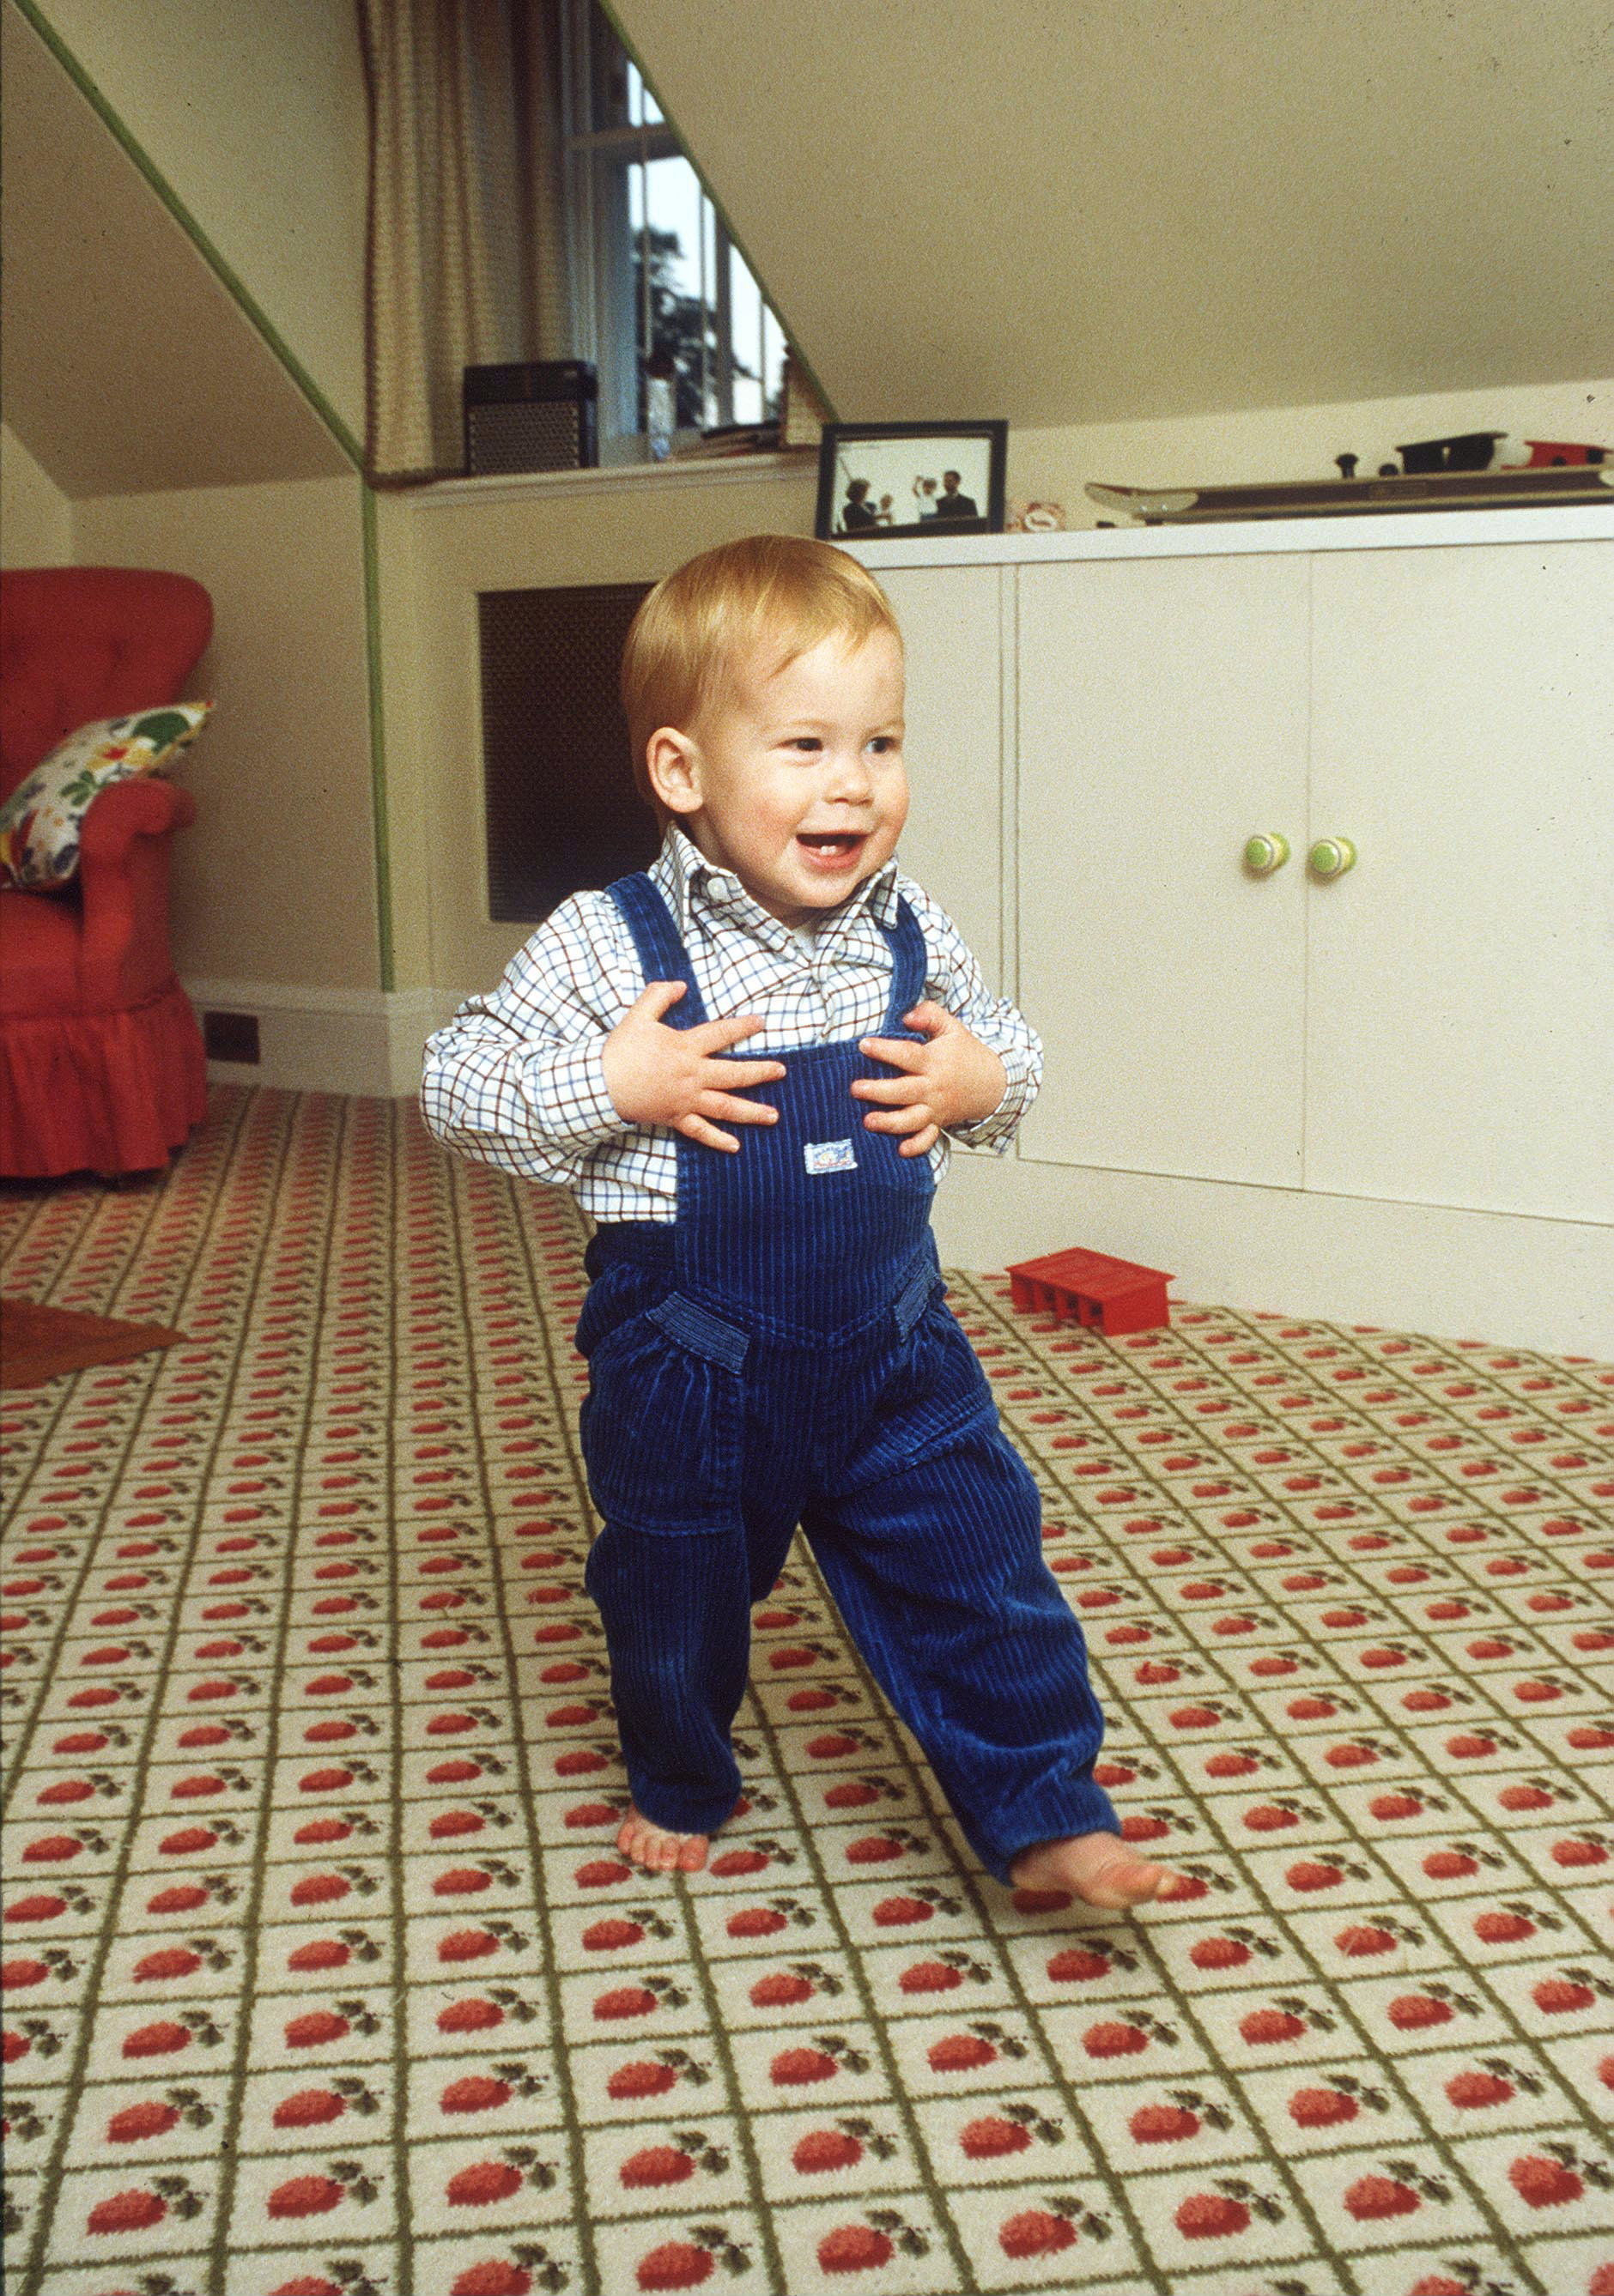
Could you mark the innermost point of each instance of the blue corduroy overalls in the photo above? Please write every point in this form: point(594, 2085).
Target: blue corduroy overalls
point(782, 1353)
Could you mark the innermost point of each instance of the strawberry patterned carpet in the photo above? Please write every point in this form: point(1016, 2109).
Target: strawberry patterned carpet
point(321, 1975)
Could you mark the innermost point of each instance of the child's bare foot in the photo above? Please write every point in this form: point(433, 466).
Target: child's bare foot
point(1098, 1868)
point(658, 1851)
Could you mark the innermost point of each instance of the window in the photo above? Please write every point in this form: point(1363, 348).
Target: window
point(656, 275)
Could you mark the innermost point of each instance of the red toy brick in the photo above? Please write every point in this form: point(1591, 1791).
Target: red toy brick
point(1108, 1295)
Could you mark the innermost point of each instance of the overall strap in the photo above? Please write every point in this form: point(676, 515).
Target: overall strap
point(909, 964)
point(662, 954)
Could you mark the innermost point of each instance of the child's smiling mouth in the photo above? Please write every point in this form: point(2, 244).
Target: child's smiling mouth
point(832, 847)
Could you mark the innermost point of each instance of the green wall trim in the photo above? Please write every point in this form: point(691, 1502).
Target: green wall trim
point(229, 279)
point(378, 745)
point(609, 12)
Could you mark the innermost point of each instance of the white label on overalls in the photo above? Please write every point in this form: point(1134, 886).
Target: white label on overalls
point(829, 1156)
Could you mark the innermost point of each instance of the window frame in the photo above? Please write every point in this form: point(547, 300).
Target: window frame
point(606, 328)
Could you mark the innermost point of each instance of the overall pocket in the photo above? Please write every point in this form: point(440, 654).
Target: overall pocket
point(663, 1423)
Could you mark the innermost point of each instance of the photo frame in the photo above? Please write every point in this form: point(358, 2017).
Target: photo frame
point(880, 479)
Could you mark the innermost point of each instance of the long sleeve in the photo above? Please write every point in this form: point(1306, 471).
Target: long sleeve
point(516, 1078)
point(956, 983)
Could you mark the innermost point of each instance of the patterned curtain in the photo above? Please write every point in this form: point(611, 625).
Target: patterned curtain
point(466, 246)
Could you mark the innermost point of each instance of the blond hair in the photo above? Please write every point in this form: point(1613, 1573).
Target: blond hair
point(773, 593)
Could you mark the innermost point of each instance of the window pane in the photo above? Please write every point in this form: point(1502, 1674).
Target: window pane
point(747, 330)
point(643, 110)
point(677, 317)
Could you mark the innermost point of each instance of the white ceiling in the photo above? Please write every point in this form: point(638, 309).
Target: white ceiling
point(126, 366)
point(1066, 211)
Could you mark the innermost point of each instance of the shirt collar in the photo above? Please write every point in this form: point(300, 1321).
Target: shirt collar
point(689, 883)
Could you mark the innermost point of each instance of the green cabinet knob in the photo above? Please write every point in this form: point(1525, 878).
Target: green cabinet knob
point(1331, 856)
point(1265, 852)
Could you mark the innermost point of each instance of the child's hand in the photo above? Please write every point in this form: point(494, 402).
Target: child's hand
point(657, 1075)
point(952, 1078)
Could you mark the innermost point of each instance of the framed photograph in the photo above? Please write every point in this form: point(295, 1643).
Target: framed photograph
point(879, 479)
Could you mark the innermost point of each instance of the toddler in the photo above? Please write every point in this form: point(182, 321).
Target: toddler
point(767, 1336)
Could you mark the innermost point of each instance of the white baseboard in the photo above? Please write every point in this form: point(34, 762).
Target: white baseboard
point(1544, 1284)
point(367, 1041)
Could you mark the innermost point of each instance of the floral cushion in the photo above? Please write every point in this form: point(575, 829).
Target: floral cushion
point(41, 820)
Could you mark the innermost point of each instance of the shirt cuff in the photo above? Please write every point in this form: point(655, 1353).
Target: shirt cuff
point(566, 1086)
point(994, 1132)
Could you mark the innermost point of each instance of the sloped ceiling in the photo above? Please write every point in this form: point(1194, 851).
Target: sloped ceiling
point(126, 366)
point(1067, 211)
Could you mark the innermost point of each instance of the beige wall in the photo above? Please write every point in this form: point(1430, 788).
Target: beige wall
point(36, 517)
point(275, 883)
point(256, 118)
point(1294, 442)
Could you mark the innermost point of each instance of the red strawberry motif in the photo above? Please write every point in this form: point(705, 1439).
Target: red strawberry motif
point(1502, 1926)
point(1310, 1874)
point(466, 1945)
point(306, 2196)
point(738, 1861)
point(1558, 1996)
point(1211, 2216)
point(851, 1793)
point(1035, 2232)
point(320, 1830)
point(611, 1936)
point(474, 2092)
point(1472, 2091)
point(895, 1913)
point(317, 2029)
point(854, 2248)
point(160, 2040)
point(135, 2211)
point(1163, 2124)
point(1320, 2107)
point(1265, 2026)
point(793, 2068)
point(1114, 2040)
point(1450, 1865)
point(1411, 2011)
point(1544, 2184)
point(626, 2001)
point(483, 2182)
point(473, 2015)
point(676, 2264)
point(781, 1989)
point(1389, 1807)
point(641, 2079)
point(1363, 1939)
point(1077, 1964)
point(150, 2118)
point(1373, 2197)
point(992, 2138)
point(822, 2150)
point(658, 2164)
point(310, 2108)
point(1572, 1852)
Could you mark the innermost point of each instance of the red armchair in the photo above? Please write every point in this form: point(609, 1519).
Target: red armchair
point(102, 1067)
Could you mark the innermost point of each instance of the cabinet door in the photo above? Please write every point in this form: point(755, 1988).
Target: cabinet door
point(949, 617)
point(1461, 974)
point(1162, 721)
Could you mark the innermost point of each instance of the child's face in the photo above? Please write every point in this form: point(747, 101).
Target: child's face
point(795, 779)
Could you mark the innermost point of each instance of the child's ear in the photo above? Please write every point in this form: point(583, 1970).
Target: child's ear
point(672, 761)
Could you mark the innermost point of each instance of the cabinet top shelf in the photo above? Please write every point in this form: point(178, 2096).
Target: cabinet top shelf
point(1384, 530)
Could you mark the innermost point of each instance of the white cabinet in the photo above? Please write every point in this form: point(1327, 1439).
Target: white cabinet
point(1162, 720)
point(1435, 1026)
point(950, 618)
point(1388, 1098)
point(1460, 985)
